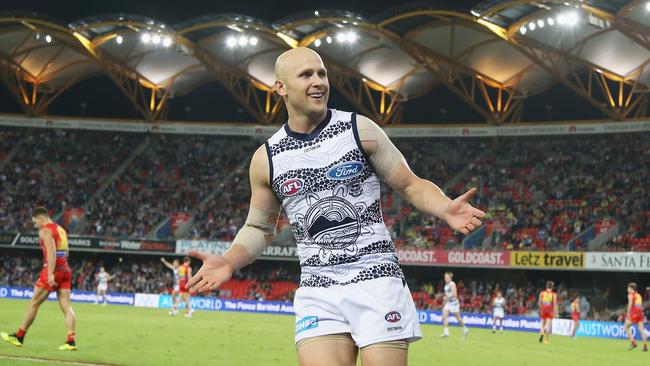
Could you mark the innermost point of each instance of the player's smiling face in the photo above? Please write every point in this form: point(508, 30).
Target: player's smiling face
point(303, 82)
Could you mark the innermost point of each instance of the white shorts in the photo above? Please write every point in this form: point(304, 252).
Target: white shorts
point(372, 311)
point(452, 307)
point(499, 313)
point(102, 287)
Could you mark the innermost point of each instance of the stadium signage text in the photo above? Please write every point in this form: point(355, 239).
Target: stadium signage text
point(636, 262)
point(559, 260)
point(264, 131)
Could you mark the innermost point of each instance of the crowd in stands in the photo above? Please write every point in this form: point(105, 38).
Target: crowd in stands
point(539, 193)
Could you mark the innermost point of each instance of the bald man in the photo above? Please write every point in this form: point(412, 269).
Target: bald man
point(324, 166)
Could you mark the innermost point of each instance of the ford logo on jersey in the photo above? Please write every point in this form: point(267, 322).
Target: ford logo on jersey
point(292, 186)
point(393, 317)
point(345, 170)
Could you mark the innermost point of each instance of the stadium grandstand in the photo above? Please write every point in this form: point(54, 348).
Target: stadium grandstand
point(137, 136)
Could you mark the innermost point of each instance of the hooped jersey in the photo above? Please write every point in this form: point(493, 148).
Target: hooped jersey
point(331, 195)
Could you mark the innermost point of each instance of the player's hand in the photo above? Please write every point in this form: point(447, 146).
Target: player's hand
point(461, 216)
point(215, 271)
point(50, 279)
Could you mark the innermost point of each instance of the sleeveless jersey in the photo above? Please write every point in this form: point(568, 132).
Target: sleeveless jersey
point(177, 276)
point(499, 303)
point(61, 243)
point(575, 308)
point(637, 304)
point(331, 195)
point(183, 273)
point(450, 298)
point(547, 299)
point(103, 278)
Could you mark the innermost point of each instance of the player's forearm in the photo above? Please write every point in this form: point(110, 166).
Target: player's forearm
point(51, 260)
point(427, 197)
point(247, 246)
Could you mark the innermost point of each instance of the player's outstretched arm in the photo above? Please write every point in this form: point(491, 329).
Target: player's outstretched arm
point(167, 264)
point(252, 238)
point(390, 165)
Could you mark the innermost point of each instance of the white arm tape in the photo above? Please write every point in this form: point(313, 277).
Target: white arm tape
point(386, 157)
point(258, 230)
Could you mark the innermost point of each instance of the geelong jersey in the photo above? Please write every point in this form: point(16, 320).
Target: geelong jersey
point(331, 195)
point(102, 278)
point(449, 294)
point(499, 303)
point(177, 276)
point(61, 243)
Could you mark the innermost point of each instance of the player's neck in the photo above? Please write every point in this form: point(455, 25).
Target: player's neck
point(305, 123)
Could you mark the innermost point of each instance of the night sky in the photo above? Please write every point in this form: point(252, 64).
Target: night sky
point(102, 98)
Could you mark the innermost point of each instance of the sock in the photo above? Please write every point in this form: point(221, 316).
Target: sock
point(502, 328)
point(71, 337)
point(446, 331)
point(494, 327)
point(21, 333)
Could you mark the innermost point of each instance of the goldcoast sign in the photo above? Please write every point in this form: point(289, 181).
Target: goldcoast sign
point(559, 260)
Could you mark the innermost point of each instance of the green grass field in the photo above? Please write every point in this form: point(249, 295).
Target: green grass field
point(120, 335)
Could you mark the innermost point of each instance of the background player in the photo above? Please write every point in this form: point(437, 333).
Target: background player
point(176, 286)
point(102, 285)
point(184, 274)
point(635, 316)
point(499, 312)
point(55, 276)
point(575, 315)
point(452, 305)
point(548, 310)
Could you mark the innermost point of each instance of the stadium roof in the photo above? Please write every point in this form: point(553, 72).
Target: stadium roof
point(495, 56)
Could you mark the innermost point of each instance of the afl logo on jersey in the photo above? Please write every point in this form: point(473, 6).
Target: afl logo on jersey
point(345, 170)
point(393, 317)
point(292, 186)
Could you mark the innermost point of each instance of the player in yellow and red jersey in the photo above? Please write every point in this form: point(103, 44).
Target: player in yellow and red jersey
point(548, 310)
point(575, 315)
point(55, 276)
point(635, 316)
point(184, 274)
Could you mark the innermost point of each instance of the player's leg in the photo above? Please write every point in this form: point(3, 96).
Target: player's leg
point(643, 336)
point(494, 324)
point(328, 350)
point(576, 325)
point(394, 353)
point(501, 325)
point(98, 295)
point(188, 307)
point(40, 295)
point(174, 302)
point(63, 296)
point(445, 322)
point(461, 323)
point(630, 336)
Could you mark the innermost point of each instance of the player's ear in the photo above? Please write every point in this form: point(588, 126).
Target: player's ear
point(280, 88)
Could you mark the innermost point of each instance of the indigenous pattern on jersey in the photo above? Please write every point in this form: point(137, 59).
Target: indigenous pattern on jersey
point(61, 242)
point(449, 294)
point(331, 195)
